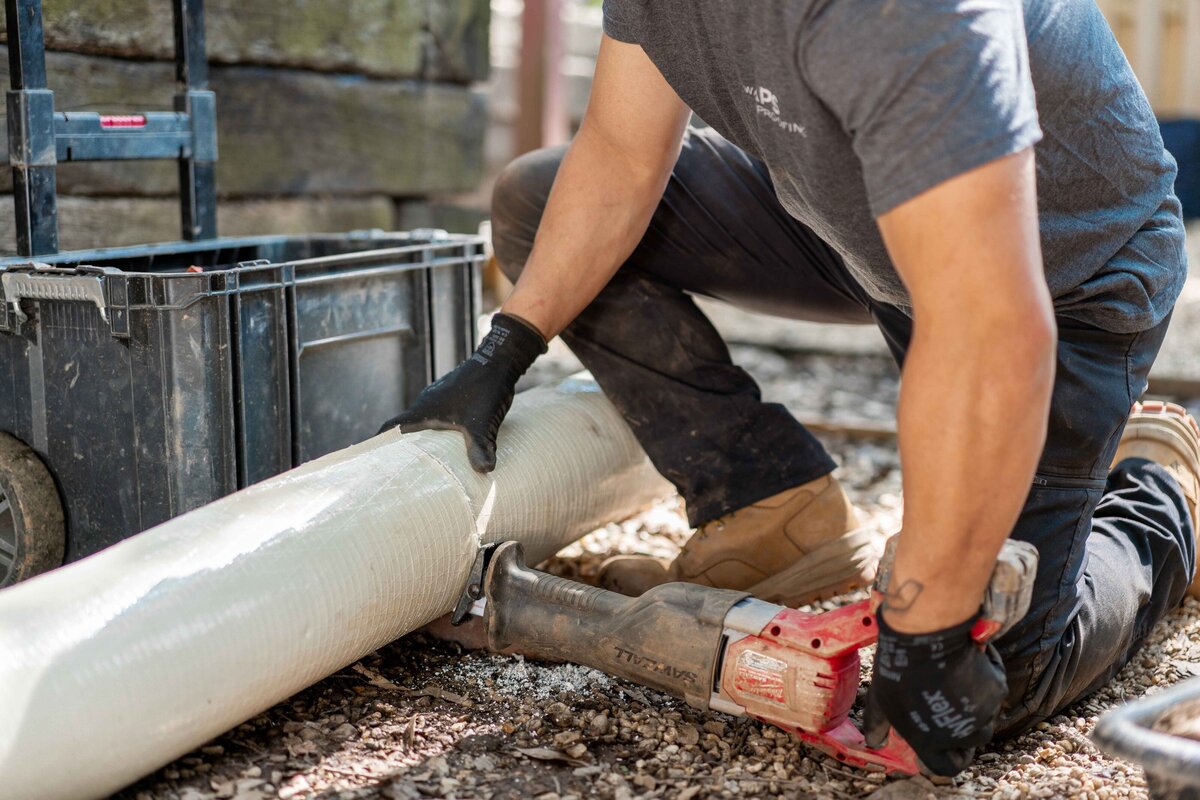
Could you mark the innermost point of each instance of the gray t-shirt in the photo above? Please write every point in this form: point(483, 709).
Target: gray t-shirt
point(856, 106)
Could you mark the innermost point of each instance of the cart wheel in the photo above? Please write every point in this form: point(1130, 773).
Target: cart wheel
point(32, 532)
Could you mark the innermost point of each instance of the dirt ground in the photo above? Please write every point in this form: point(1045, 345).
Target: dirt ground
point(420, 718)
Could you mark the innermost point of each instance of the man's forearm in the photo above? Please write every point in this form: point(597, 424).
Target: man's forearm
point(972, 419)
point(977, 382)
point(598, 211)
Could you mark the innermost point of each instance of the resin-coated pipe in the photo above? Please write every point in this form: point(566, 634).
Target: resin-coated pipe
point(122, 662)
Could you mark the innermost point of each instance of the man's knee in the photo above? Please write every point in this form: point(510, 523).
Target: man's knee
point(518, 199)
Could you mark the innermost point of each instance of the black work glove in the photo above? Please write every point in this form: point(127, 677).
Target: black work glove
point(940, 691)
point(476, 395)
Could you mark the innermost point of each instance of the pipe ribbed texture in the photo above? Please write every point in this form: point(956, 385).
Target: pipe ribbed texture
point(122, 662)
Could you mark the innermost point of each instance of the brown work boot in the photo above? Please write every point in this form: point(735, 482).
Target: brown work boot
point(796, 547)
point(1168, 435)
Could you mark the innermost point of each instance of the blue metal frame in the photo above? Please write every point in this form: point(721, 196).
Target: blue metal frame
point(39, 138)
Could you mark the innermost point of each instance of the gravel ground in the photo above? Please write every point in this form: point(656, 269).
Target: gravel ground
point(423, 718)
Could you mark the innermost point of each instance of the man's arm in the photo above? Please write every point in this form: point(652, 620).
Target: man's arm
point(607, 188)
point(973, 411)
point(977, 382)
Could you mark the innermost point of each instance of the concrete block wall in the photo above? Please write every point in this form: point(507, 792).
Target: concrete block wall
point(331, 115)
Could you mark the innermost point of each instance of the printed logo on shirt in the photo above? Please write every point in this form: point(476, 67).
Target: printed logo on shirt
point(767, 105)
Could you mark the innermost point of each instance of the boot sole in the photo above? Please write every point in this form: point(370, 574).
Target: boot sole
point(1174, 427)
point(1171, 426)
point(1177, 429)
point(843, 565)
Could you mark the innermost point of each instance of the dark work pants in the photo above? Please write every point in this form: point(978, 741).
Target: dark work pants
point(1117, 550)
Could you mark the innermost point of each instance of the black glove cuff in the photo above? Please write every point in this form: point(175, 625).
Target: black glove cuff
point(514, 340)
point(919, 647)
point(514, 319)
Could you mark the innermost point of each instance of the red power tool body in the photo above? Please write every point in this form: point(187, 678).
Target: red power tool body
point(719, 649)
point(801, 672)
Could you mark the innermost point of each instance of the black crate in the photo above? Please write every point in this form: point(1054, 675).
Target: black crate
point(152, 380)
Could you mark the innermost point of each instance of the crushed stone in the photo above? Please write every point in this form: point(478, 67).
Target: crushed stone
point(514, 677)
point(422, 718)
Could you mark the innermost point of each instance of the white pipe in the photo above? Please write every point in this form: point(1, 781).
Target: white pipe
point(122, 662)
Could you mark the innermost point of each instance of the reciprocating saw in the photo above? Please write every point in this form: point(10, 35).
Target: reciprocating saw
point(720, 649)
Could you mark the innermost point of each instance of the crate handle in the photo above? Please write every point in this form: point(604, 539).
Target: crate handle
point(47, 283)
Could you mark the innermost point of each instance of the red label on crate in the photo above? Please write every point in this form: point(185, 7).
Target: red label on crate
point(123, 121)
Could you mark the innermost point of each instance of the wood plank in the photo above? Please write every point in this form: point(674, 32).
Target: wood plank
point(1118, 16)
point(1160, 38)
point(1147, 52)
point(299, 133)
point(456, 40)
point(432, 39)
point(1190, 88)
point(86, 223)
point(285, 132)
point(438, 213)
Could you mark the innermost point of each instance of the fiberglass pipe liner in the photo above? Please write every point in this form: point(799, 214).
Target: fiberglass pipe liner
point(120, 663)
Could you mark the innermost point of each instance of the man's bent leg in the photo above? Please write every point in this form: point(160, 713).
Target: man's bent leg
point(719, 231)
point(1116, 550)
